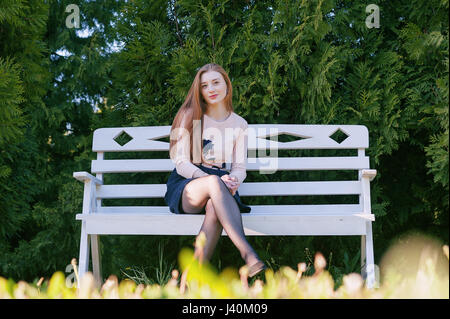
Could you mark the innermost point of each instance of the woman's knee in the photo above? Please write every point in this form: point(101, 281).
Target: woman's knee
point(213, 178)
point(215, 183)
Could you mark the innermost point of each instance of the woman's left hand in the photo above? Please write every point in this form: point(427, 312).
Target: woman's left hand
point(232, 183)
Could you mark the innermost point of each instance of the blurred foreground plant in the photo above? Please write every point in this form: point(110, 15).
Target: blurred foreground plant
point(416, 267)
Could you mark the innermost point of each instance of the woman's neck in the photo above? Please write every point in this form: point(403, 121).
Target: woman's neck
point(217, 113)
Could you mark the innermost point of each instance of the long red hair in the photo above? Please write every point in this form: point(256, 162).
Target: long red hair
point(192, 110)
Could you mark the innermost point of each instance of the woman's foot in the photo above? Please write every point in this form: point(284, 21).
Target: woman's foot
point(256, 268)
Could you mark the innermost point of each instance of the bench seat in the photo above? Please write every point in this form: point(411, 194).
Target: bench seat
point(282, 220)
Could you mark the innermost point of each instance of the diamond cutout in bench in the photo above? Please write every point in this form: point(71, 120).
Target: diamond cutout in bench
point(338, 136)
point(123, 138)
point(161, 139)
point(286, 138)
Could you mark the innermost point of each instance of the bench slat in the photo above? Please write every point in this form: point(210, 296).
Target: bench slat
point(312, 137)
point(189, 224)
point(253, 164)
point(256, 209)
point(246, 189)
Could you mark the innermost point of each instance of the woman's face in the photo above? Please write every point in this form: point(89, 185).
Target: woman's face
point(213, 87)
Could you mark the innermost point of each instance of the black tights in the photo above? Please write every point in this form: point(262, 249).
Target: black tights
point(222, 212)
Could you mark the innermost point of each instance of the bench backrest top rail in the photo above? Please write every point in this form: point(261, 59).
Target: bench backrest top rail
point(145, 138)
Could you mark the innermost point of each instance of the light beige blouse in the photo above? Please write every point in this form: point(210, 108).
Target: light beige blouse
point(223, 142)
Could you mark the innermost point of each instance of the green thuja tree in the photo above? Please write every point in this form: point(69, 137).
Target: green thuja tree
point(305, 62)
point(11, 132)
point(63, 72)
point(23, 82)
point(290, 62)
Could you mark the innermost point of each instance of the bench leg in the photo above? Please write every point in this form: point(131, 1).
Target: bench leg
point(369, 267)
point(363, 254)
point(83, 267)
point(96, 259)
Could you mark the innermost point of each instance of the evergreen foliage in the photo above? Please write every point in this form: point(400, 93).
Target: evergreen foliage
point(290, 61)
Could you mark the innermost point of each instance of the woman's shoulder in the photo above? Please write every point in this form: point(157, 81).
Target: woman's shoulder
point(239, 120)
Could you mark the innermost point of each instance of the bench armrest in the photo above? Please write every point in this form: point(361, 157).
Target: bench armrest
point(369, 173)
point(82, 176)
point(90, 182)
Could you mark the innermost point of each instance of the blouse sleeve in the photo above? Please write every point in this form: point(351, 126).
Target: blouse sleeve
point(239, 164)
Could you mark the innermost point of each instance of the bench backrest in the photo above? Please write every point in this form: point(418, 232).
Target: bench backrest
point(263, 148)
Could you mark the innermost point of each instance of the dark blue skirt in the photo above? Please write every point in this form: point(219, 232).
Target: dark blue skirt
point(176, 184)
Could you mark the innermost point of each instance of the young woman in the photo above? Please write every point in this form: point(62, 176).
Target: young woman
point(205, 135)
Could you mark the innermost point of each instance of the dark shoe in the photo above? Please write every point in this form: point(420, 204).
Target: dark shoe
point(255, 269)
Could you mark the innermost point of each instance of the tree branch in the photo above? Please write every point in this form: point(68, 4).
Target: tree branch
point(173, 12)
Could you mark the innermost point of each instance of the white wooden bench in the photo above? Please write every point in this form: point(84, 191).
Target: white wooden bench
point(307, 220)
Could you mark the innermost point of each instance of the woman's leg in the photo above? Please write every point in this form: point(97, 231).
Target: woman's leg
point(195, 196)
point(212, 229)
